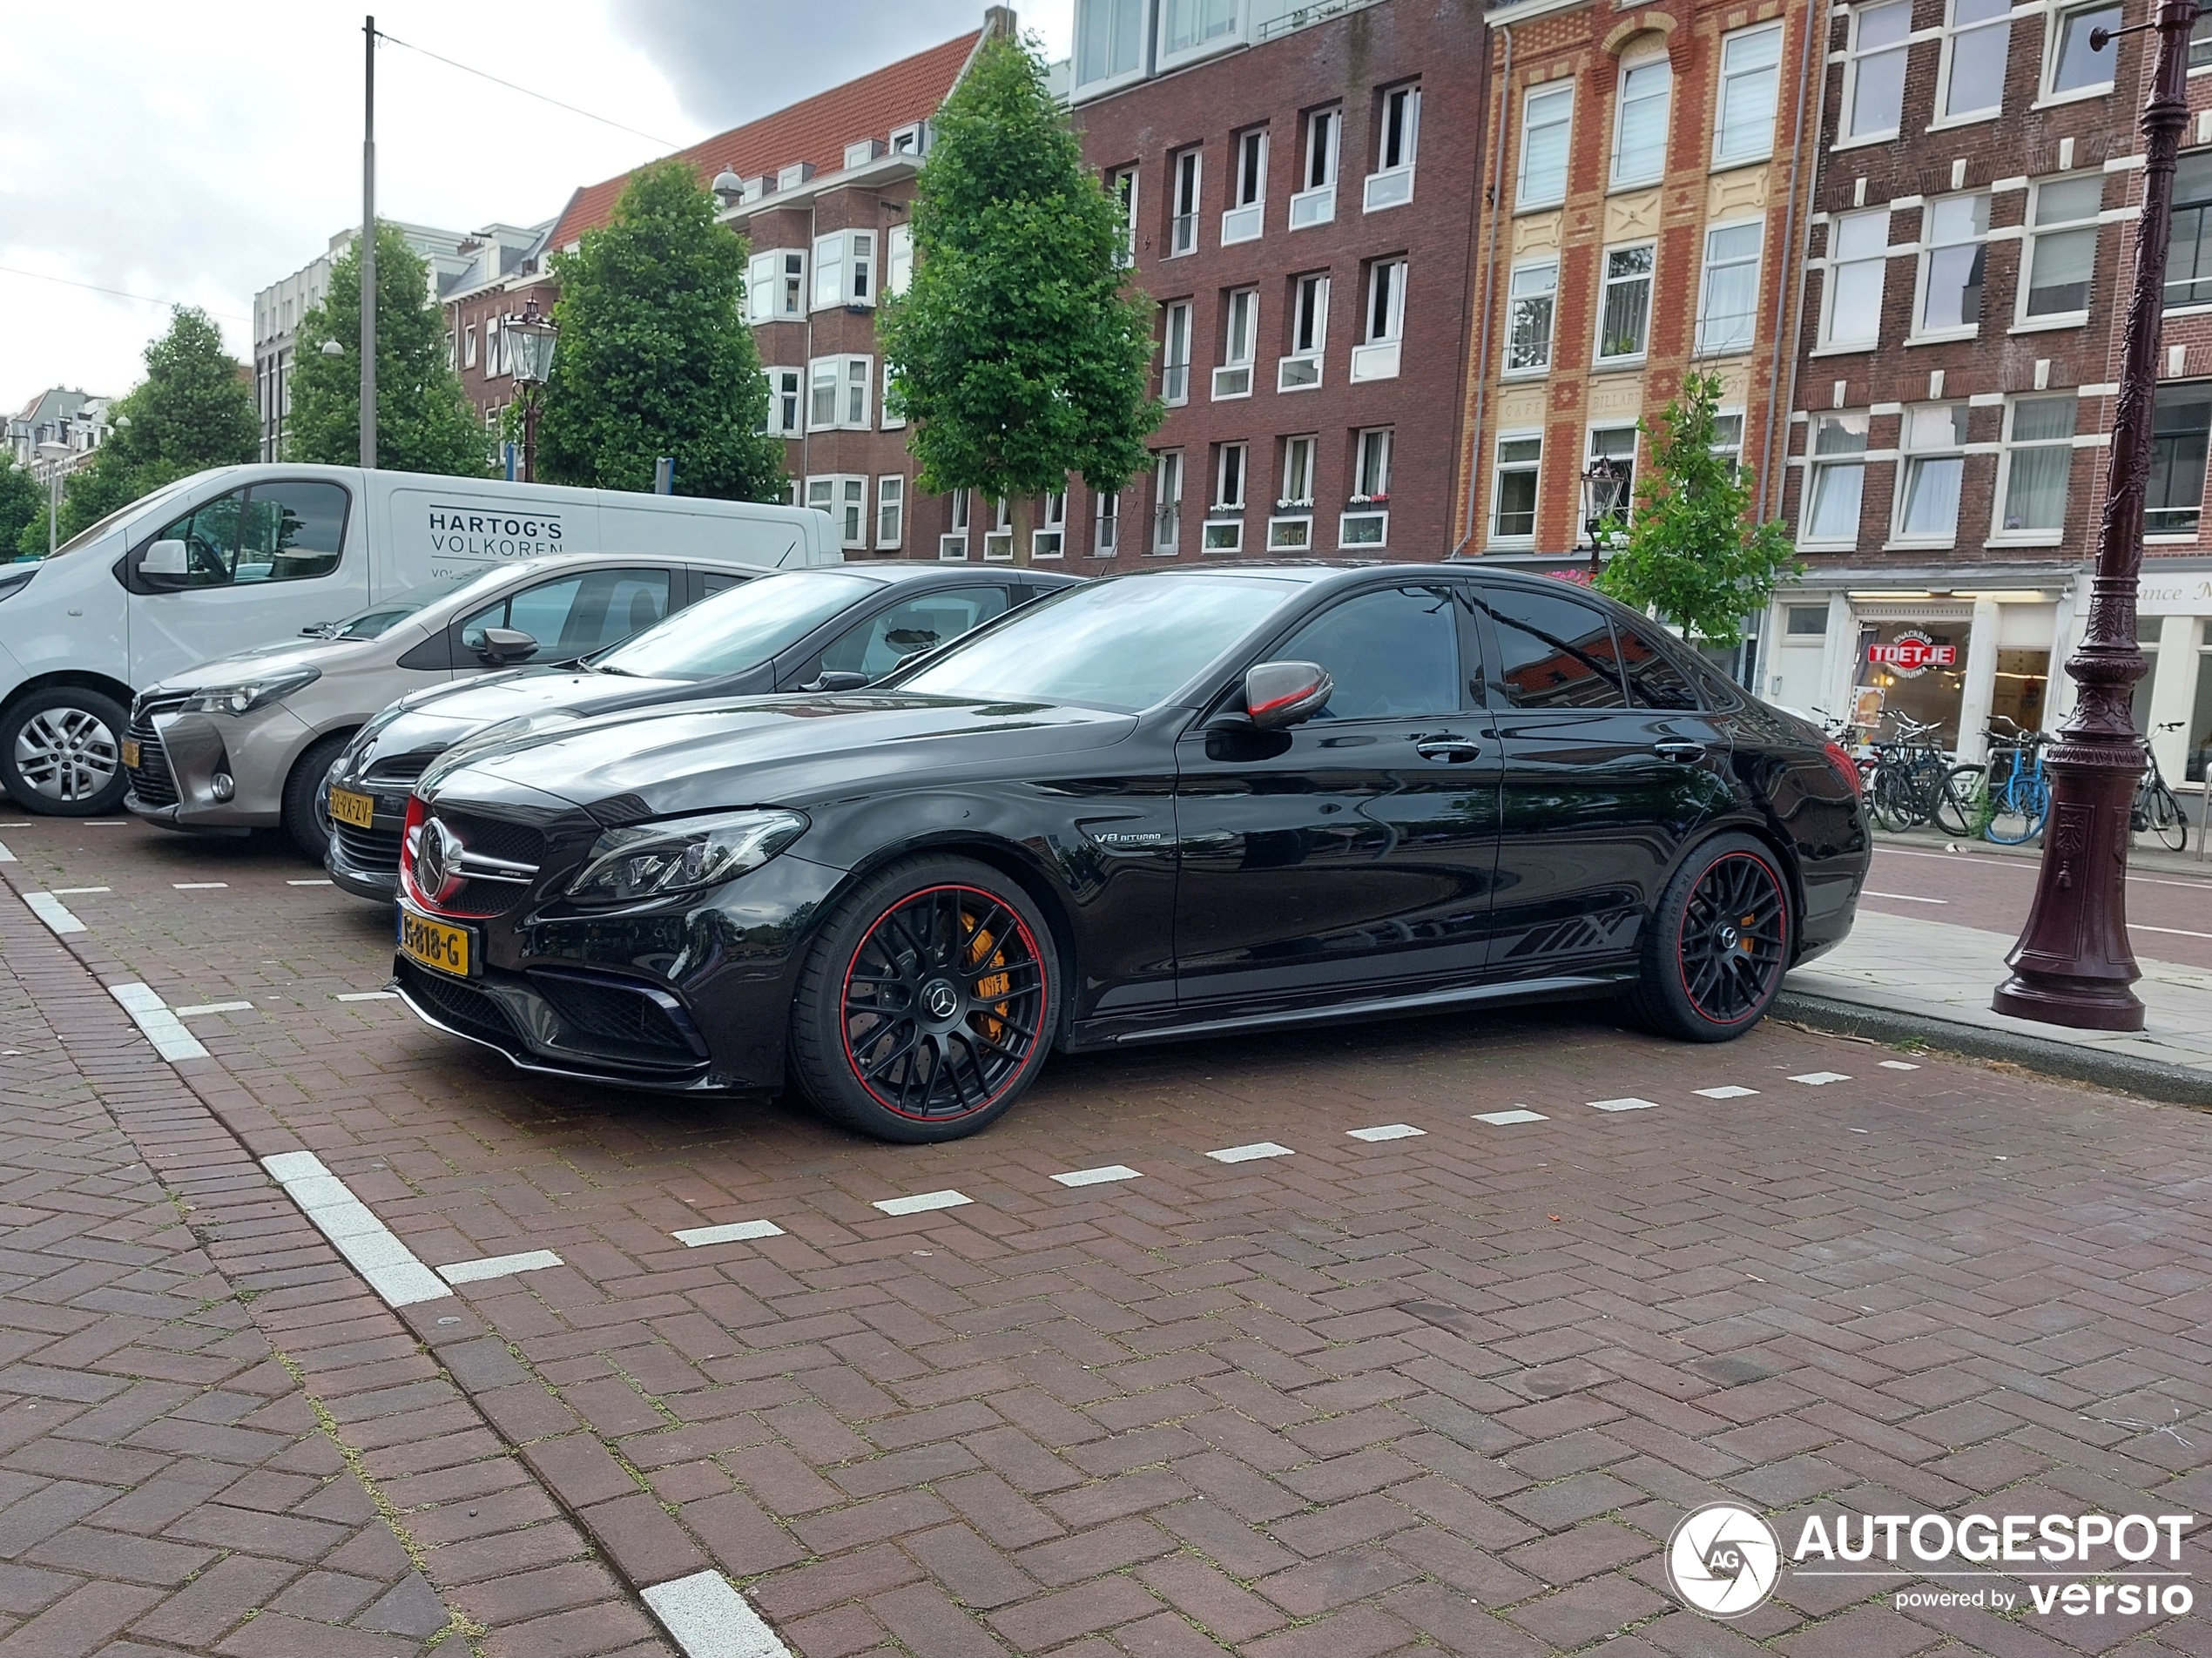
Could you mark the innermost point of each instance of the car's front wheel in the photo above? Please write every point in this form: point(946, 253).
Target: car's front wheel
point(61, 752)
point(1718, 944)
point(306, 815)
point(927, 1003)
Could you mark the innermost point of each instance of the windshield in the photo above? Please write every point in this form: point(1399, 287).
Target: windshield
point(93, 532)
point(378, 619)
point(1123, 644)
point(736, 629)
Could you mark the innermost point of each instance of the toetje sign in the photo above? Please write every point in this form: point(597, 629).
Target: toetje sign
point(1912, 653)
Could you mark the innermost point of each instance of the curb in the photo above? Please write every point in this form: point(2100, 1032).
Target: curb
point(2175, 1084)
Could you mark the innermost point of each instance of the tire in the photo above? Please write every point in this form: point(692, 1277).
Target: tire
point(1959, 800)
point(859, 1032)
point(61, 752)
point(305, 818)
point(1718, 943)
point(2167, 821)
point(1892, 801)
point(2017, 812)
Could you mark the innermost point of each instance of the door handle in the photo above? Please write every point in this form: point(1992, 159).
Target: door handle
point(1683, 752)
point(1453, 751)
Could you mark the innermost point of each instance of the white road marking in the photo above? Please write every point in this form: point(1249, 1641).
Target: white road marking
point(1099, 1176)
point(711, 1619)
point(152, 1016)
point(2178, 931)
point(499, 1266)
point(1387, 1131)
point(391, 1269)
point(1820, 1078)
point(197, 886)
point(105, 823)
point(1631, 1103)
point(371, 995)
point(1897, 1065)
point(692, 1237)
point(1902, 898)
point(79, 892)
point(324, 882)
point(1998, 861)
point(6, 857)
point(212, 1008)
point(922, 1202)
point(1246, 1154)
point(1519, 1114)
point(1731, 1092)
point(53, 912)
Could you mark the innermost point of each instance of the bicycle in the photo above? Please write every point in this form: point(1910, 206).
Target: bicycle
point(2156, 810)
point(2019, 792)
point(1906, 785)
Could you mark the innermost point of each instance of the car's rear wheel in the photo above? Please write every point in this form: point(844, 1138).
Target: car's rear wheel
point(306, 815)
point(61, 752)
point(1719, 944)
point(927, 1002)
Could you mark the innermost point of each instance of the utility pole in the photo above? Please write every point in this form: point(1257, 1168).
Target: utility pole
point(368, 243)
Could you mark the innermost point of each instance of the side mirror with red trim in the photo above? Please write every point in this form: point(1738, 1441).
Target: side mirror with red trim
point(1281, 694)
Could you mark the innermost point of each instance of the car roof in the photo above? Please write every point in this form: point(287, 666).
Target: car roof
point(907, 569)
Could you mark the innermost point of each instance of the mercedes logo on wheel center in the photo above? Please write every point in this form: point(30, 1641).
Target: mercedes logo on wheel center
point(1722, 1561)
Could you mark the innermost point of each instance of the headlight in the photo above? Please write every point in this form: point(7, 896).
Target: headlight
point(683, 854)
point(13, 582)
point(248, 694)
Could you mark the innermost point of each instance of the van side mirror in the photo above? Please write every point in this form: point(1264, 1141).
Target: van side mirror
point(165, 561)
point(503, 645)
point(1282, 694)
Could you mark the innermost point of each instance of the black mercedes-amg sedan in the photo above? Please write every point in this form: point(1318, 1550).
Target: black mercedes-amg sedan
point(1163, 806)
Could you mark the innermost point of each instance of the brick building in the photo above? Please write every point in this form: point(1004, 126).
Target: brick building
point(505, 270)
point(1649, 204)
point(1301, 182)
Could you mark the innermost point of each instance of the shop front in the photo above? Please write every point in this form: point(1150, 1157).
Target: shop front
point(2174, 698)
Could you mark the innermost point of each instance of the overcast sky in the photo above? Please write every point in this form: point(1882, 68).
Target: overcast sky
point(200, 152)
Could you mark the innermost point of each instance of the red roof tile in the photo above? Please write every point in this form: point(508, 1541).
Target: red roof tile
point(815, 129)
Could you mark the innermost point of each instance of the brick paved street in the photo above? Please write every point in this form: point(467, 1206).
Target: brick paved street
point(1447, 1392)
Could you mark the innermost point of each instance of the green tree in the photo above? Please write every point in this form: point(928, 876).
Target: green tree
point(1693, 554)
point(424, 421)
point(1018, 353)
point(193, 410)
point(655, 356)
point(21, 502)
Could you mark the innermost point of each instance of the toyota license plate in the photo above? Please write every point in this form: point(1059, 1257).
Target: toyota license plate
point(360, 810)
point(129, 753)
point(436, 944)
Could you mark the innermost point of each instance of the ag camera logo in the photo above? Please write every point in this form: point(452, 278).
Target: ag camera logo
point(1723, 1560)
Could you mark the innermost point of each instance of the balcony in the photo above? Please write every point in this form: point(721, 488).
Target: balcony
point(1314, 206)
point(1394, 188)
point(1376, 361)
point(1243, 224)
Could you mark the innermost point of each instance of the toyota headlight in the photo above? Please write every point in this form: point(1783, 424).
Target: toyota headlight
point(248, 694)
point(681, 854)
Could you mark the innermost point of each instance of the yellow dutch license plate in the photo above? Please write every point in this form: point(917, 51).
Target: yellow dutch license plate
point(360, 810)
point(449, 949)
point(129, 753)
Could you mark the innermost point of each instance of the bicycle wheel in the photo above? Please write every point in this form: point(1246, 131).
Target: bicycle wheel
point(1891, 801)
point(2167, 821)
point(1961, 799)
point(2017, 811)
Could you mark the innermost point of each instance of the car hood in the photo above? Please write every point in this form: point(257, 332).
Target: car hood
point(429, 722)
point(785, 749)
point(267, 661)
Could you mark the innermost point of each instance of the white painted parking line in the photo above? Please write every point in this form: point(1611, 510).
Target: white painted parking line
point(692, 1237)
point(1099, 1176)
point(1897, 1065)
point(1630, 1104)
point(499, 1266)
point(2176, 931)
point(79, 892)
point(324, 882)
point(151, 1015)
point(1247, 1154)
point(198, 887)
point(922, 1202)
point(1387, 1131)
point(393, 1269)
point(53, 912)
point(371, 995)
point(1820, 1078)
point(1504, 1119)
point(107, 822)
point(212, 1008)
point(1731, 1092)
point(6, 857)
point(1903, 898)
point(711, 1619)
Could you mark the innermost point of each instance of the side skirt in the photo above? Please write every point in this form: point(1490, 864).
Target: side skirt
point(1577, 986)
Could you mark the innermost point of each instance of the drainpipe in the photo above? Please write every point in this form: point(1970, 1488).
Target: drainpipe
point(1489, 283)
point(1778, 415)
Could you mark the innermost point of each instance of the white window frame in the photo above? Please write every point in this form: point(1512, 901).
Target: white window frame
point(1855, 55)
point(1627, 497)
point(847, 494)
point(1186, 185)
point(1289, 527)
point(852, 379)
point(1835, 267)
point(1122, 184)
point(1105, 523)
point(1550, 94)
point(1245, 217)
point(1909, 461)
point(1221, 40)
point(784, 382)
point(2054, 38)
point(1167, 503)
point(952, 545)
point(2032, 235)
point(1703, 346)
point(836, 254)
point(2012, 445)
point(1734, 451)
point(1049, 539)
point(1300, 368)
point(1954, 33)
point(1364, 522)
point(1316, 203)
point(1929, 251)
point(998, 540)
point(1391, 184)
point(1816, 466)
point(890, 511)
point(898, 259)
point(892, 418)
point(1382, 321)
point(1239, 344)
point(1498, 468)
point(1731, 44)
point(495, 349)
point(468, 347)
point(1129, 25)
point(1531, 272)
point(1660, 67)
point(1224, 529)
point(1606, 281)
point(1174, 353)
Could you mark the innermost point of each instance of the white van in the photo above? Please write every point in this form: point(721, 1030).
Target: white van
point(246, 556)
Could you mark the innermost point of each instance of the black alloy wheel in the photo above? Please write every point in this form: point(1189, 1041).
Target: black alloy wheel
point(928, 1003)
point(1719, 943)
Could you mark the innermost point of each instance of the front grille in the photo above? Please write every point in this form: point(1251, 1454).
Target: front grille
point(463, 1006)
point(604, 1015)
point(151, 778)
point(492, 838)
point(401, 768)
point(376, 851)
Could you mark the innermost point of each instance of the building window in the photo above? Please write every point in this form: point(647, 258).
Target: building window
point(1316, 203)
point(2189, 252)
point(1110, 40)
point(1952, 261)
point(845, 501)
point(2180, 420)
point(1190, 25)
point(495, 352)
point(2075, 64)
point(785, 392)
point(1750, 72)
point(898, 259)
point(844, 269)
point(1121, 185)
point(1049, 539)
point(1242, 220)
point(1300, 370)
point(1183, 232)
point(894, 410)
point(776, 285)
point(998, 540)
point(1729, 302)
point(1547, 116)
point(837, 392)
point(1106, 524)
point(1391, 184)
point(1805, 622)
point(1935, 465)
point(1624, 307)
point(1975, 46)
point(468, 347)
point(1728, 440)
point(1838, 469)
point(1640, 123)
point(1365, 522)
point(1174, 353)
point(2039, 458)
point(953, 544)
point(1874, 79)
point(1383, 327)
point(1857, 260)
point(1240, 339)
point(1531, 302)
point(1513, 495)
point(2062, 246)
point(1224, 527)
point(1167, 500)
point(1617, 444)
point(1291, 531)
point(890, 511)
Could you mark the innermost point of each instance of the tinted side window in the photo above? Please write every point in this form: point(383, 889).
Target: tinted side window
point(613, 605)
point(1392, 652)
point(210, 535)
point(291, 532)
point(713, 582)
point(1554, 651)
point(876, 646)
point(1656, 679)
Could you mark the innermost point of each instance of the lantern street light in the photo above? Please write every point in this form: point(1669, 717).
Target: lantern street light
point(2074, 964)
point(530, 340)
point(1605, 482)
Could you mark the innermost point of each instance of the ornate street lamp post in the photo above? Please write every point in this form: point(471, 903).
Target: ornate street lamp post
point(1604, 486)
point(2074, 964)
point(530, 341)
